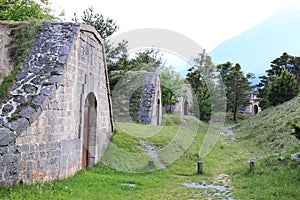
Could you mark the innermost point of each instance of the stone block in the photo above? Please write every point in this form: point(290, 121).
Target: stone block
point(19, 125)
point(6, 137)
point(29, 113)
point(23, 148)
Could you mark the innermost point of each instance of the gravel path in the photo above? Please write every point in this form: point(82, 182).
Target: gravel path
point(153, 151)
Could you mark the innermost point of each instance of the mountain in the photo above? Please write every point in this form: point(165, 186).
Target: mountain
point(254, 49)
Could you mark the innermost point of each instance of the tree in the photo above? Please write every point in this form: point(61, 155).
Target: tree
point(288, 62)
point(284, 88)
point(199, 76)
point(196, 74)
point(172, 86)
point(203, 101)
point(284, 62)
point(117, 56)
point(20, 10)
point(104, 26)
point(237, 86)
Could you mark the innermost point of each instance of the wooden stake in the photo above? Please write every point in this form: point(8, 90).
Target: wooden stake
point(200, 166)
point(151, 163)
point(251, 165)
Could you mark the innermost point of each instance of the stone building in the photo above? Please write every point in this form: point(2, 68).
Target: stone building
point(57, 117)
point(185, 102)
point(136, 98)
point(150, 111)
point(253, 108)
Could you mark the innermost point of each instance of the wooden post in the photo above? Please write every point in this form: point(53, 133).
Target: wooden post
point(251, 165)
point(200, 166)
point(150, 163)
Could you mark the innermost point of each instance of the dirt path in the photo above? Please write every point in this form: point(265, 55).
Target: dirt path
point(153, 151)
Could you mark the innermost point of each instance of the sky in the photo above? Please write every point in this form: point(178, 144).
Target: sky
point(208, 23)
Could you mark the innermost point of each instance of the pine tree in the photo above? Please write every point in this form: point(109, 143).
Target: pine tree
point(284, 62)
point(198, 77)
point(284, 88)
point(237, 87)
point(203, 102)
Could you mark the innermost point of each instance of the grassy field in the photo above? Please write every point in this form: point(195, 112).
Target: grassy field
point(226, 165)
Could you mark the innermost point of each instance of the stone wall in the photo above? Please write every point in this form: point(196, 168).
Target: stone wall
point(57, 118)
point(150, 111)
point(185, 102)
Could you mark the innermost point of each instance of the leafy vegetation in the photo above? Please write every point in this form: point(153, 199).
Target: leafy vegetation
point(237, 86)
point(117, 56)
point(172, 86)
point(282, 89)
point(197, 77)
point(20, 10)
point(104, 26)
point(281, 82)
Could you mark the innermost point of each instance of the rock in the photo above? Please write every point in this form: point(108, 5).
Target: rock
point(6, 137)
point(18, 125)
point(27, 112)
point(47, 90)
point(295, 157)
point(7, 108)
point(37, 80)
point(19, 98)
point(21, 76)
point(29, 88)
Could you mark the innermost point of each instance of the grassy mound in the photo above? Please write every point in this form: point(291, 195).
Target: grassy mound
point(271, 129)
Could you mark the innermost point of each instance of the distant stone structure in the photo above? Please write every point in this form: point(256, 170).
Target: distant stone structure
point(150, 111)
point(137, 98)
point(253, 108)
point(57, 117)
point(185, 102)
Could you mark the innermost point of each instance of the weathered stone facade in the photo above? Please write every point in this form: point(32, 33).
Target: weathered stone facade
point(57, 118)
point(150, 111)
point(185, 102)
point(253, 108)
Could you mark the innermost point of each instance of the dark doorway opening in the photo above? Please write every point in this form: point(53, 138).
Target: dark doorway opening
point(255, 109)
point(185, 109)
point(158, 112)
point(89, 131)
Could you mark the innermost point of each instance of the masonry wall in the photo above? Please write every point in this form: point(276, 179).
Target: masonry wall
point(185, 102)
point(253, 108)
point(66, 71)
point(150, 111)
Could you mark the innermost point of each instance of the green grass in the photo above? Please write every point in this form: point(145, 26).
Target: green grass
point(271, 179)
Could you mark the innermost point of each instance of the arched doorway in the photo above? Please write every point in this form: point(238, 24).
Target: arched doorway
point(255, 109)
point(185, 109)
point(89, 131)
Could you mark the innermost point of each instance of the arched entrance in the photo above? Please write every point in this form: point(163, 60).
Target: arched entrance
point(89, 131)
point(158, 112)
point(255, 109)
point(185, 109)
